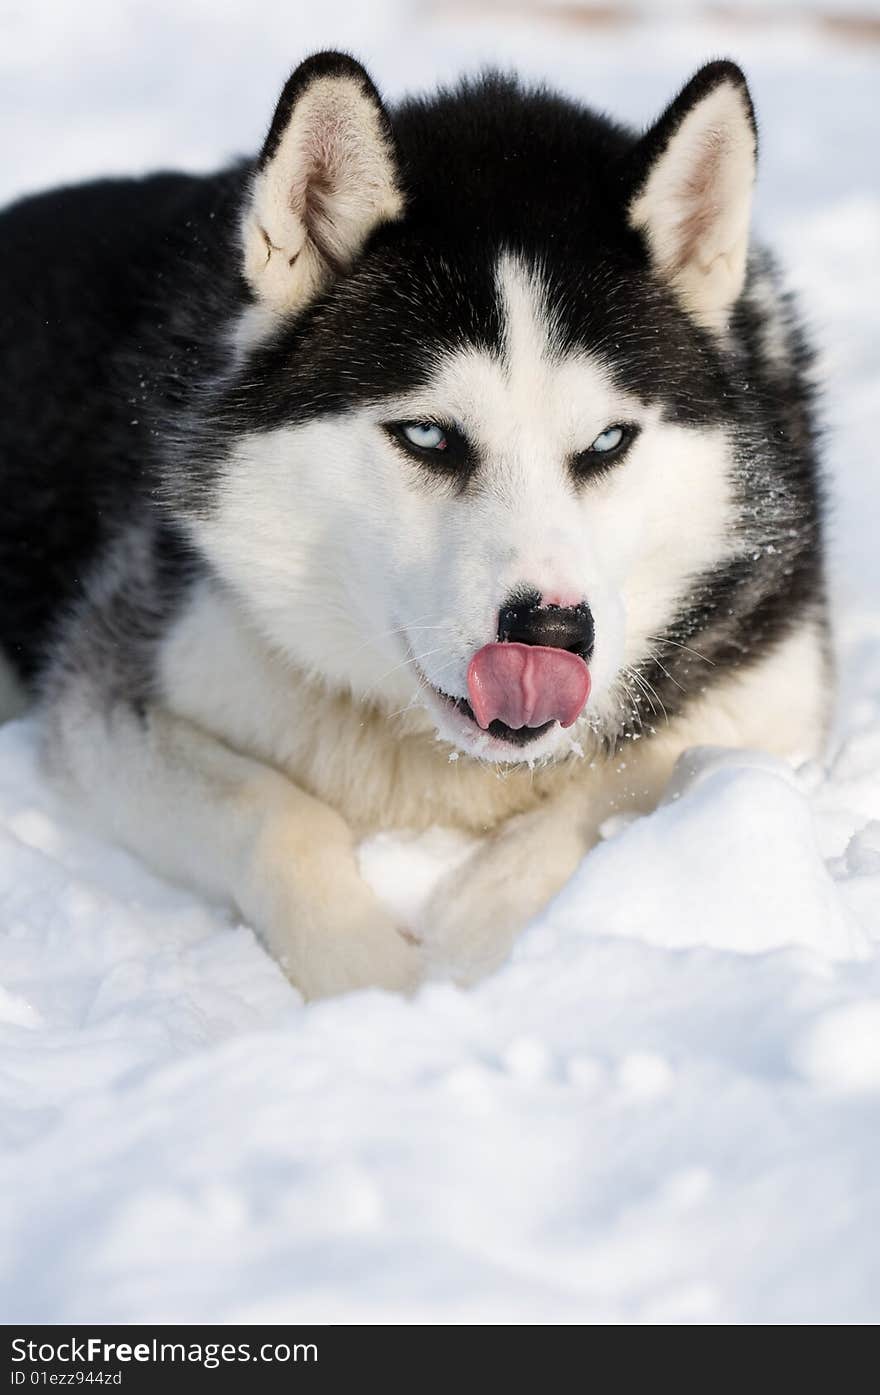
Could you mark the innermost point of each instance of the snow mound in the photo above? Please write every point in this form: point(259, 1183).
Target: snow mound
point(729, 861)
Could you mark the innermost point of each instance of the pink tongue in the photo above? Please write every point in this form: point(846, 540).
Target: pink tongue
point(526, 685)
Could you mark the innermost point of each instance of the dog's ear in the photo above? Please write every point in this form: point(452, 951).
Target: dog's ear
point(691, 183)
point(325, 178)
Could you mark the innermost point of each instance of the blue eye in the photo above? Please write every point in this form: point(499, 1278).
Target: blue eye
point(608, 448)
point(425, 435)
point(443, 449)
point(608, 440)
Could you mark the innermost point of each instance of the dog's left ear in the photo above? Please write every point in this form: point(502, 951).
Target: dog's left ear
point(693, 175)
point(326, 177)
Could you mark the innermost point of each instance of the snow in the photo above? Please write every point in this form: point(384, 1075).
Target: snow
point(666, 1107)
point(730, 861)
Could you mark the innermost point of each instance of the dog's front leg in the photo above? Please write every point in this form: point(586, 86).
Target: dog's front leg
point(202, 814)
point(476, 913)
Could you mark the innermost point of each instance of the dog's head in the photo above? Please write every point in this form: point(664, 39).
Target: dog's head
point(482, 449)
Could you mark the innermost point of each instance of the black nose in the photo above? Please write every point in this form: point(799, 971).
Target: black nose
point(558, 627)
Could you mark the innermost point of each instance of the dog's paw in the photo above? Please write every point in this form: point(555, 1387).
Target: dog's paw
point(476, 914)
point(342, 942)
point(473, 919)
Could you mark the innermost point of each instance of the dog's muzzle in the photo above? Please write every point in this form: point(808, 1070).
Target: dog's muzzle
point(535, 674)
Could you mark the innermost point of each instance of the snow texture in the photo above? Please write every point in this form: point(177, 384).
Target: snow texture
point(666, 1108)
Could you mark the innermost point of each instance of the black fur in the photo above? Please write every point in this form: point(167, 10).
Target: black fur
point(89, 362)
point(119, 395)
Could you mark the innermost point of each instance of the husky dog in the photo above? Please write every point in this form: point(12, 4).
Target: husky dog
point(452, 464)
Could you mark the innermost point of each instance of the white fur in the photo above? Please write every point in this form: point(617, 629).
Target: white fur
point(695, 205)
point(384, 583)
point(328, 184)
point(235, 829)
point(251, 328)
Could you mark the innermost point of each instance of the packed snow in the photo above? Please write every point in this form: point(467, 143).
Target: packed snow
point(666, 1107)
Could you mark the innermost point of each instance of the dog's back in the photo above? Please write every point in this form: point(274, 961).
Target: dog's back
point(88, 278)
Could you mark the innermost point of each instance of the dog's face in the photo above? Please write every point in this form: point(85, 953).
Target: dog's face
point(486, 464)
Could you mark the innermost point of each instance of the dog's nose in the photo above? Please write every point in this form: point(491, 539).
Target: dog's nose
point(557, 627)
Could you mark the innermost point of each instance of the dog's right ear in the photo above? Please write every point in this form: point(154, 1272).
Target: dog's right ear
point(693, 175)
point(325, 178)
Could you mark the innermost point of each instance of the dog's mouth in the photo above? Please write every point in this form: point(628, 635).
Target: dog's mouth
point(514, 736)
point(517, 692)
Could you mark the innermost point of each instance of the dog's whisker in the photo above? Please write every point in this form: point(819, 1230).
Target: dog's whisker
point(411, 660)
point(408, 707)
point(665, 670)
point(664, 639)
point(389, 634)
point(653, 690)
point(631, 710)
point(445, 667)
point(649, 691)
